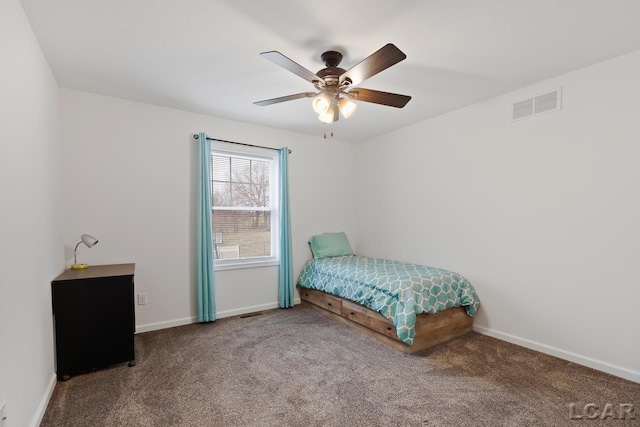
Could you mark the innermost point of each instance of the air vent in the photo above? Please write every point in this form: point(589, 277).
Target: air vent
point(246, 316)
point(545, 103)
point(523, 109)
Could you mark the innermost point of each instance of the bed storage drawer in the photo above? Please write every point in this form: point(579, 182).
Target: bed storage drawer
point(431, 329)
point(368, 318)
point(324, 300)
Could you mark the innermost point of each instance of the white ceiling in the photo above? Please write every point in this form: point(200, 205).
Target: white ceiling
point(203, 55)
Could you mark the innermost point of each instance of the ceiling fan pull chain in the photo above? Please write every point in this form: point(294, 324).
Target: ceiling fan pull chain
point(324, 132)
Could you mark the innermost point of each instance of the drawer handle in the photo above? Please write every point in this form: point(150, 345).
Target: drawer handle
point(353, 314)
point(388, 328)
point(329, 304)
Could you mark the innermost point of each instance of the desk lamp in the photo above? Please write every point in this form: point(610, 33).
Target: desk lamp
point(89, 242)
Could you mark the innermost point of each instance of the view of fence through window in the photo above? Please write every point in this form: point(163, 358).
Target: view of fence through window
point(241, 206)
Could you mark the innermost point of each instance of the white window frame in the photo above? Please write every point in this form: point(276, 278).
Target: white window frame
point(274, 198)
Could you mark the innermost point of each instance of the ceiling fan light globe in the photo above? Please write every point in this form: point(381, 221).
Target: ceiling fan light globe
point(321, 104)
point(326, 117)
point(347, 107)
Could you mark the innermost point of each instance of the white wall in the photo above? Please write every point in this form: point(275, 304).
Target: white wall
point(31, 251)
point(130, 182)
point(541, 214)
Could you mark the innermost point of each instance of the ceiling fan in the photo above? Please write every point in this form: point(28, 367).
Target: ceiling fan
point(336, 87)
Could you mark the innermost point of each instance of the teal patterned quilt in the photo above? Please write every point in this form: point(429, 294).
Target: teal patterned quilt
point(397, 290)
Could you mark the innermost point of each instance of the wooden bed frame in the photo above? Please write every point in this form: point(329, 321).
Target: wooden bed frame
point(431, 329)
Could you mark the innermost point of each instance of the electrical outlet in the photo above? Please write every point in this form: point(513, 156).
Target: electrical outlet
point(3, 414)
point(142, 299)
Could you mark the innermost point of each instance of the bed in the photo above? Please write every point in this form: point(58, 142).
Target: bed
point(409, 306)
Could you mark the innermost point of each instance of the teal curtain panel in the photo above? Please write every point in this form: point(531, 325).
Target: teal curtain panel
point(205, 276)
point(286, 285)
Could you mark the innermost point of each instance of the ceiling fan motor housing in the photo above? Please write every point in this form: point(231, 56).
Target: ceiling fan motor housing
point(331, 74)
point(331, 58)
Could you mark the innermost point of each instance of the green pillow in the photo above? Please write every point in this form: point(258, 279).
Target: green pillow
point(329, 245)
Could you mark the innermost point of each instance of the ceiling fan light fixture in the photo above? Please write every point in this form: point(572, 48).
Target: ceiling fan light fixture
point(321, 104)
point(347, 107)
point(327, 116)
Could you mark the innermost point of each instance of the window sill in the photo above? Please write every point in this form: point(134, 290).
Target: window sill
point(242, 265)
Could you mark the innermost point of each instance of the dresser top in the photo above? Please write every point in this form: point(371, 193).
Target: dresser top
point(96, 271)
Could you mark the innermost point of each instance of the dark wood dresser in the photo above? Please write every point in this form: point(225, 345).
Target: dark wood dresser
point(94, 318)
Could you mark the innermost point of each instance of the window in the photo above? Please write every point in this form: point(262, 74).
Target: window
point(245, 217)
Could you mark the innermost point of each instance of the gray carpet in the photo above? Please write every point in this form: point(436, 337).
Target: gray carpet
point(298, 368)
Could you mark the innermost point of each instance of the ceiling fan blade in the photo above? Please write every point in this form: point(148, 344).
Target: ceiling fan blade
point(286, 63)
point(285, 98)
point(378, 97)
point(378, 61)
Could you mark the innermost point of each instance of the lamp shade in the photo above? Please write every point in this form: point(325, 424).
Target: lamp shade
point(321, 104)
point(347, 107)
point(327, 117)
point(88, 240)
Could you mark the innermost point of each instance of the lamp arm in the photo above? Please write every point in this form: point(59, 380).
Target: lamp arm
point(75, 251)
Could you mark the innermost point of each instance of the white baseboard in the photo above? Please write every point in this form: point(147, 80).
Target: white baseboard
point(42, 407)
point(165, 324)
point(252, 309)
point(219, 315)
point(599, 365)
